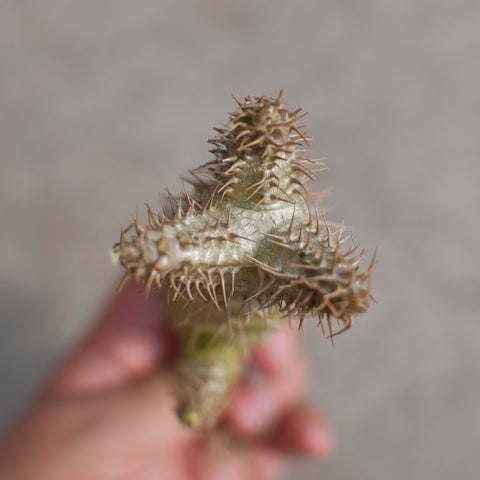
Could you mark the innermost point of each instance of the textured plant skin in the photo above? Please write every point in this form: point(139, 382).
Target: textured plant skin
point(241, 252)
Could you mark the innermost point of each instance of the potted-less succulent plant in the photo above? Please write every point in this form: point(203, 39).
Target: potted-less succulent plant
point(242, 251)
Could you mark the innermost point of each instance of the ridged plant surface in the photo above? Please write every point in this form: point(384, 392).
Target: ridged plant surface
point(246, 244)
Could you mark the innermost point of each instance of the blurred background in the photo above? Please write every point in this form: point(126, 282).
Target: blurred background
point(103, 104)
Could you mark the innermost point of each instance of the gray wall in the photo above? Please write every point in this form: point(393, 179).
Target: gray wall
point(104, 103)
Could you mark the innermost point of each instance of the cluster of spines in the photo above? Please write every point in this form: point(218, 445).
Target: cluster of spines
point(241, 251)
point(316, 278)
point(143, 253)
point(260, 143)
point(261, 129)
point(257, 157)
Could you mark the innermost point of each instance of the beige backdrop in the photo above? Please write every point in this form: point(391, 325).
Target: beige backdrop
point(105, 103)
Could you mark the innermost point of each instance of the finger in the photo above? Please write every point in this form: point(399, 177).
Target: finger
point(221, 456)
point(260, 463)
point(145, 413)
point(131, 340)
point(259, 400)
point(111, 435)
point(303, 431)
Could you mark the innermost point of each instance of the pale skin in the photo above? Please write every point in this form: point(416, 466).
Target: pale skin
point(108, 412)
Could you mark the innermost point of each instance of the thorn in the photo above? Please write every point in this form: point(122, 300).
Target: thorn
point(207, 224)
point(217, 223)
point(148, 286)
point(300, 323)
point(304, 266)
point(209, 201)
point(260, 184)
point(222, 282)
point(199, 290)
point(309, 174)
point(327, 228)
point(187, 283)
point(232, 291)
point(211, 290)
point(152, 218)
point(320, 324)
point(330, 305)
point(373, 262)
point(173, 201)
point(329, 322)
point(259, 292)
point(348, 323)
point(178, 293)
point(267, 268)
point(190, 200)
point(229, 218)
point(280, 241)
point(290, 227)
point(123, 281)
point(307, 243)
point(246, 146)
point(163, 211)
point(299, 239)
point(317, 228)
point(299, 133)
point(239, 103)
point(306, 299)
point(262, 199)
point(236, 235)
point(139, 229)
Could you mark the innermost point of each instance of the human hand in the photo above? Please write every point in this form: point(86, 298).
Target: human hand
point(108, 413)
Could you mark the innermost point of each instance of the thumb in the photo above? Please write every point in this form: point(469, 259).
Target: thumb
point(131, 340)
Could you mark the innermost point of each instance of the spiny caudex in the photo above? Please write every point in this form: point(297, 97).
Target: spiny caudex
point(241, 252)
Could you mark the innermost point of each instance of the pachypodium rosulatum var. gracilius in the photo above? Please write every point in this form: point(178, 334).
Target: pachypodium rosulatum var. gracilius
point(241, 251)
